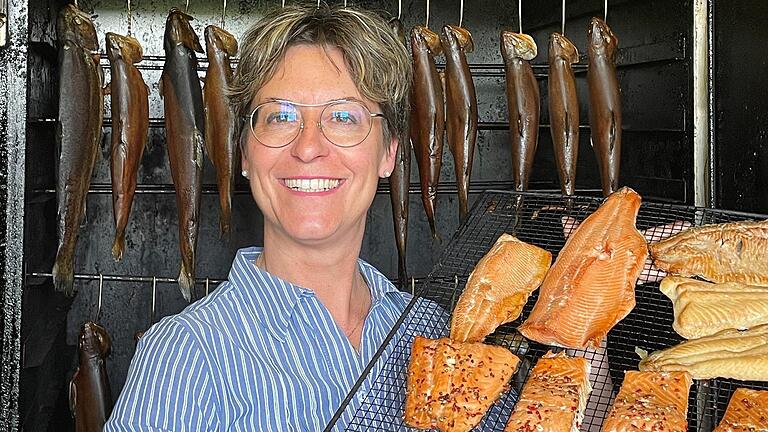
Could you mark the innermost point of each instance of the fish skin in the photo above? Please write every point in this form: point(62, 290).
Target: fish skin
point(460, 108)
point(81, 111)
point(427, 120)
point(747, 411)
point(400, 181)
point(523, 103)
point(731, 252)
point(498, 288)
point(564, 109)
point(185, 132)
point(130, 114)
point(605, 251)
point(221, 134)
point(604, 103)
point(90, 398)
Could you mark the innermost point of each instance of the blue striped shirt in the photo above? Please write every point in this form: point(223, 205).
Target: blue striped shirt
point(257, 354)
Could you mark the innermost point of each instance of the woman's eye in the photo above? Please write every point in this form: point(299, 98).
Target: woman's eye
point(281, 117)
point(343, 117)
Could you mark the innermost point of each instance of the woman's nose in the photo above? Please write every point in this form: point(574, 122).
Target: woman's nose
point(311, 143)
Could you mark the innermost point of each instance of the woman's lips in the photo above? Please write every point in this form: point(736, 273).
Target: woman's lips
point(312, 185)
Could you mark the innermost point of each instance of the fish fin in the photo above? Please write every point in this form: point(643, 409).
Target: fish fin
point(185, 283)
point(107, 90)
point(73, 395)
point(63, 276)
point(118, 246)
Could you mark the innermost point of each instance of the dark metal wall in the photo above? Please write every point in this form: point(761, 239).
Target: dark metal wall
point(655, 78)
point(741, 108)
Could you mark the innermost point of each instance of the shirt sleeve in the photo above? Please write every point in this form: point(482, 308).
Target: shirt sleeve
point(169, 385)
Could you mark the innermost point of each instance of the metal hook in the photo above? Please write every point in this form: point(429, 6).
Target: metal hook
point(520, 14)
point(562, 28)
point(282, 3)
point(76, 5)
point(318, 4)
point(413, 286)
point(605, 12)
point(206, 286)
point(461, 12)
point(399, 8)
point(345, 4)
point(130, 18)
point(154, 297)
point(186, 8)
point(426, 24)
point(223, 14)
point(98, 307)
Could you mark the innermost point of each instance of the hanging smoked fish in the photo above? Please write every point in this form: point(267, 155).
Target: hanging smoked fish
point(460, 106)
point(427, 121)
point(220, 125)
point(90, 398)
point(604, 103)
point(81, 111)
point(518, 49)
point(400, 180)
point(130, 123)
point(564, 109)
point(185, 131)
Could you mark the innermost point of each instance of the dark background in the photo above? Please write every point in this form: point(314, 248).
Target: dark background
point(655, 75)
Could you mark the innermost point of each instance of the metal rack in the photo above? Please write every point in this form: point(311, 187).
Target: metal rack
point(537, 218)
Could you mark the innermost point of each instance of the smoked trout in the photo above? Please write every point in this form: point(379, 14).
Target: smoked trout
point(604, 103)
point(518, 49)
point(221, 132)
point(130, 123)
point(400, 181)
point(185, 132)
point(90, 398)
point(81, 111)
point(427, 121)
point(564, 109)
point(461, 107)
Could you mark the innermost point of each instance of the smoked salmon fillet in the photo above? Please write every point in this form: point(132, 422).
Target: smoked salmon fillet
point(731, 252)
point(498, 288)
point(733, 354)
point(591, 285)
point(704, 308)
point(747, 412)
point(651, 401)
point(554, 396)
point(452, 384)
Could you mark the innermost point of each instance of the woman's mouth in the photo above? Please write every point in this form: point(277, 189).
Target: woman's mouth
point(312, 185)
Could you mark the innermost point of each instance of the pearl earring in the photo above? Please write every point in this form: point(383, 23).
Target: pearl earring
point(244, 173)
point(386, 174)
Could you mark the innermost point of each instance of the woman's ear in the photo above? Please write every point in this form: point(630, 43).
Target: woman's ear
point(389, 159)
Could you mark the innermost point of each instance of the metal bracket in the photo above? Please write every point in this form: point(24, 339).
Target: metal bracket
point(3, 23)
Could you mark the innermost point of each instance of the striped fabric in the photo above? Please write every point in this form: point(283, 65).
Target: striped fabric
point(257, 354)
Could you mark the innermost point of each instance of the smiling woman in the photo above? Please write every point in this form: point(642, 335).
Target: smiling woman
point(321, 91)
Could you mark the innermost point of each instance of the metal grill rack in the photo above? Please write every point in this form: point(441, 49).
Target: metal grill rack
point(539, 219)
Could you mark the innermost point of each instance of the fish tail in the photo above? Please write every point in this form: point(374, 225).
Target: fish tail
point(64, 275)
point(225, 215)
point(186, 282)
point(402, 272)
point(118, 246)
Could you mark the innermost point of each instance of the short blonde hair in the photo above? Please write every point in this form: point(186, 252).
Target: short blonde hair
point(378, 62)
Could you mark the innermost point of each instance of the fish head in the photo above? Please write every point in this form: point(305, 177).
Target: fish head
point(601, 39)
point(423, 37)
point(75, 26)
point(398, 29)
point(518, 45)
point(178, 31)
point(460, 36)
point(125, 47)
point(561, 46)
point(94, 340)
point(220, 39)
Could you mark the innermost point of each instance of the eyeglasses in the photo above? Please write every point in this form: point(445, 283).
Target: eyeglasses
point(344, 122)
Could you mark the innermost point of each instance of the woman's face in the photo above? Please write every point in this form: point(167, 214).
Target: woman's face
point(312, 74)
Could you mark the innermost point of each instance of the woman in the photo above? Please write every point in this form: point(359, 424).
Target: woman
point(280, 344)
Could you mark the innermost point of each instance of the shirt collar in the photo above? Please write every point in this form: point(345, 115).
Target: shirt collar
point(275, 299)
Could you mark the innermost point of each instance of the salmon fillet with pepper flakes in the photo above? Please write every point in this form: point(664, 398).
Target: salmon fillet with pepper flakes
point(554, 396)
point(747, 412)
point(651, 402)
point(452, 384)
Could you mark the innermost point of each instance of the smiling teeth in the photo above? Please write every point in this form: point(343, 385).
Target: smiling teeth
point(312, 185)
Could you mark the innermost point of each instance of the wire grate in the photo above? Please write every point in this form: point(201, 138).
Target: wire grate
point(544, 220)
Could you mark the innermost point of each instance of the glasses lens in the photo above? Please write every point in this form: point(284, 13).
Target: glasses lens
point(276, 124)
point(346, 123)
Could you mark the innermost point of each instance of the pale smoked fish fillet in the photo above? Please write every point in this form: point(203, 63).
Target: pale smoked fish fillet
point(498, 288)
point(734, 354)
point(703, 308)
point(452, 384)
point(554, 396)
point(732, 252)
point(747, 412)
point(652, 402)
point(591, 285)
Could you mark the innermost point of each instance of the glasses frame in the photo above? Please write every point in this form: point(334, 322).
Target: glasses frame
point(325, 105)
